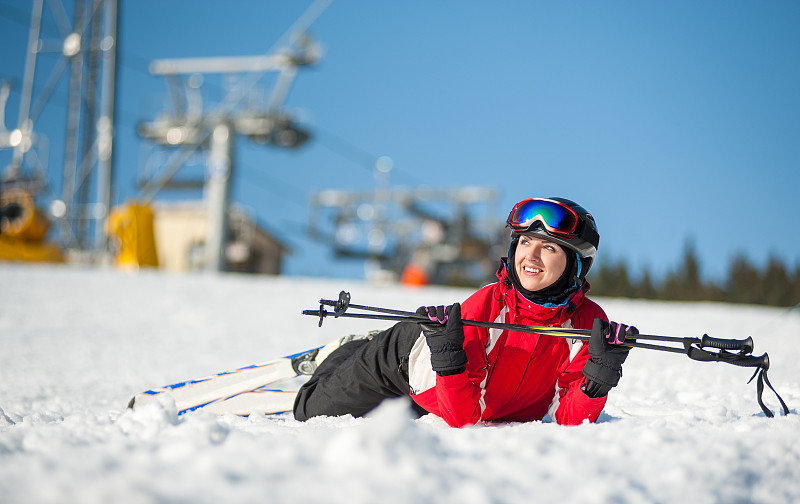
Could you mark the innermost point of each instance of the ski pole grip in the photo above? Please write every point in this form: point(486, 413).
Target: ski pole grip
point(745, 345)
point(751, 361)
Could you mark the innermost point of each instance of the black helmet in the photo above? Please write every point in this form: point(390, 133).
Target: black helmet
point(561, 221)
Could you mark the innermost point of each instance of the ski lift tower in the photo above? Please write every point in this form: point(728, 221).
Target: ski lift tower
point(428, 228)
point(85, 50)
point(188, 129)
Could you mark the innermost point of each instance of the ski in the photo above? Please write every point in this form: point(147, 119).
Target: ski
point(265, 387)
point(269, 387)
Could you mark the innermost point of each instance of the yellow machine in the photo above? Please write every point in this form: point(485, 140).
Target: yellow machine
point(23, 229)
point(131, 228)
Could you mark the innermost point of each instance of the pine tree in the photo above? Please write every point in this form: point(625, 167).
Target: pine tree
point(623, 287)
point(776, 284)
point(744, 281)
point(692, 285)
point(685, 283)
point(612, 280)
point(644, 287)
point(794, 293)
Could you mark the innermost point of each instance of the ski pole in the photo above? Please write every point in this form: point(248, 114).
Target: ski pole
point(580, 334)
point(694, 348)
point(341, 305)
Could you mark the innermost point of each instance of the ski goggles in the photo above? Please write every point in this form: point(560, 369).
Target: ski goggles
point(555, 217)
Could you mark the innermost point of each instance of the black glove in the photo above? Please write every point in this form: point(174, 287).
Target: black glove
point(604, 368)
point(445, 338)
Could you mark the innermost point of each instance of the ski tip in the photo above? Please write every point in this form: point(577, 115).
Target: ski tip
point(132, 402)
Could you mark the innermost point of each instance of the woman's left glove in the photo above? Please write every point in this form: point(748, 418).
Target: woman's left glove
point(445, 338)
point(607, 351)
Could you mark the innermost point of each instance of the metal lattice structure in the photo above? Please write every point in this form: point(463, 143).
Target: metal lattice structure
point(394, 229)
point(86, 49)
point(189, 129)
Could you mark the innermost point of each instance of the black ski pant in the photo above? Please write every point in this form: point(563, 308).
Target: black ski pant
point(357, 376)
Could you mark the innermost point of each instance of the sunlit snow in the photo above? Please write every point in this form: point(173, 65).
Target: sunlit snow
point(76, 344)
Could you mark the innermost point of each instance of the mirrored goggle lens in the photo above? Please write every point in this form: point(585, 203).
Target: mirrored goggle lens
point(552, 214)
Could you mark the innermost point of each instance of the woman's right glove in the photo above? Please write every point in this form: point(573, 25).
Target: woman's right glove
point(445, 338)
point(607, 353)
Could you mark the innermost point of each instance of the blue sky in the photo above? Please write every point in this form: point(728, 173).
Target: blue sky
point(669, 121)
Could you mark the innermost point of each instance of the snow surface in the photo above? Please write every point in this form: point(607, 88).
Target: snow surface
point(76, 344)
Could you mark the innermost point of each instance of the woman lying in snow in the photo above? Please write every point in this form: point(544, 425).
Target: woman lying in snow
point(472, 374)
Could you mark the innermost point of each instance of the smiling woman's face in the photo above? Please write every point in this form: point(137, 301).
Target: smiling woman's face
point(538, 262)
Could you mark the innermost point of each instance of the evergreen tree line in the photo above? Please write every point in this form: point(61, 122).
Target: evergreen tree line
point(776, 284)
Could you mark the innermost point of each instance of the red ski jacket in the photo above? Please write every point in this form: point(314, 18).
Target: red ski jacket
point(511, 376)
